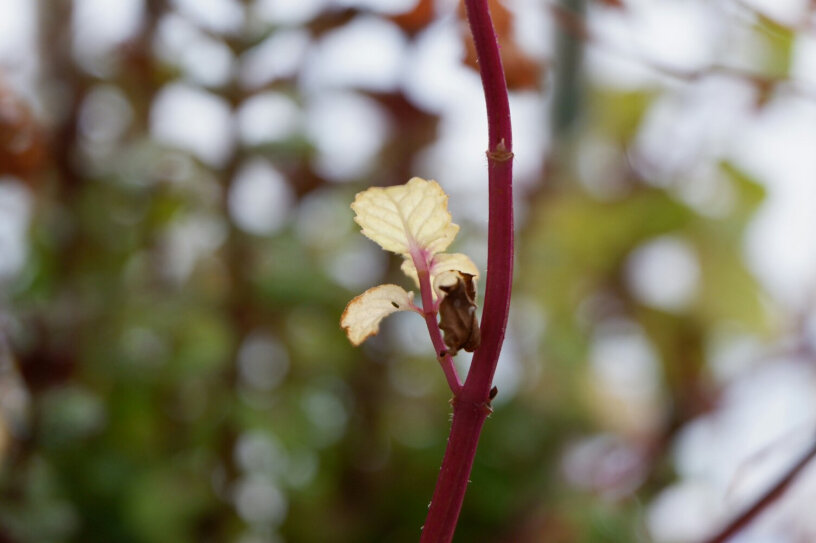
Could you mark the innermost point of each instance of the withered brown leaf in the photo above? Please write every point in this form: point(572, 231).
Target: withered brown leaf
point(457, 315)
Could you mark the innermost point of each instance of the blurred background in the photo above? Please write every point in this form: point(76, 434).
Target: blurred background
point(176, 247)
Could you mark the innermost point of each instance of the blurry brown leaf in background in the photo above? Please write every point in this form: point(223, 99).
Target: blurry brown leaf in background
point(22, 145)
point(522, 71)
point(416, 19)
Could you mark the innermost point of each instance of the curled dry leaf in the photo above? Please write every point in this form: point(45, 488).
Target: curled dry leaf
point(457, 312)
point(406, 218)
point(363, 314)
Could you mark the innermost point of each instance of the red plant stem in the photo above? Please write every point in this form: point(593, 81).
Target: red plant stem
point(472, 405)
point(770, 496)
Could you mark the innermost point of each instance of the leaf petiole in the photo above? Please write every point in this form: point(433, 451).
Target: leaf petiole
point(429, 312)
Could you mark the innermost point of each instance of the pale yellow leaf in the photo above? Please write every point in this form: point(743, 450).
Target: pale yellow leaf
point(363, 314)
point(440, 264)
point(406, 218)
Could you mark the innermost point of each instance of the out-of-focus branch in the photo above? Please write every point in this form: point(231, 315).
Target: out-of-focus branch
point(753, 11)
point(769, 497)
point(571, 40)
point(575, 24)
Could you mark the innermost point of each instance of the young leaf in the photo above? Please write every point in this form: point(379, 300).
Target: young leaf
point(406, 218)
point(363, 314)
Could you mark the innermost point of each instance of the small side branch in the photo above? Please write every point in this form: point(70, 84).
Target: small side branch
point(429, 311)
